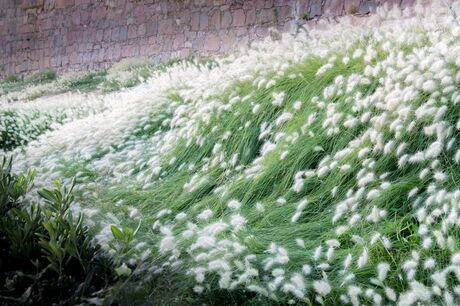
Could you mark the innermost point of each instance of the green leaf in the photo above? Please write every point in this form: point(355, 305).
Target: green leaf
point(129, 234)
point(117, 233)
point(138, 227)
point(50, 228)
point(47, 195)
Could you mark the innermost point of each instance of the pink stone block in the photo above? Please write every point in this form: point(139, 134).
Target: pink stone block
point(165, 26)
point(178, 42)
point(195, 22)
point(132, 31)
point(250, 17)
point(125, 51)
point(351, 6)
point(239, 18)
point(333, 7)
point(266, 16)
point(141, 30)
point(215, 20)
point(204, 21)
point(228, 41)
point(212, 42)
point(226, 19)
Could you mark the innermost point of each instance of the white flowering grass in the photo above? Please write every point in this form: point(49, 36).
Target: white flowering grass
point(350, 196)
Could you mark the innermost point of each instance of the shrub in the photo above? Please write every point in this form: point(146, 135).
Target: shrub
point(43, 76)
point(87, 82)
point(46, 252)
point(11, 79)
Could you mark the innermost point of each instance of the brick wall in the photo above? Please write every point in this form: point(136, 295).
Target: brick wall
point(87, 34)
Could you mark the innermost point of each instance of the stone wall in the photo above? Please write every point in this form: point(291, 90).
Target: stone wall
point(87, 34)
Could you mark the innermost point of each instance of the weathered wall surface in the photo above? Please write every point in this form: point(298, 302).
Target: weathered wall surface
point(87, 34)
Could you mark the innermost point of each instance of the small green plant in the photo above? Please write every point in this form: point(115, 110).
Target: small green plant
point(35, 85)
point(87, 82)
point(64, 239)
point(123, 239)
point(43, 76)
point(11, 79)
point(12, 187)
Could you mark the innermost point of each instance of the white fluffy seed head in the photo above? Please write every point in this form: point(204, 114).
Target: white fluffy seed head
point(234, 204)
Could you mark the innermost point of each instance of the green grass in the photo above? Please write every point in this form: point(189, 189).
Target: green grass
point(12, 83)
point(87, 82)
point(275, 181)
